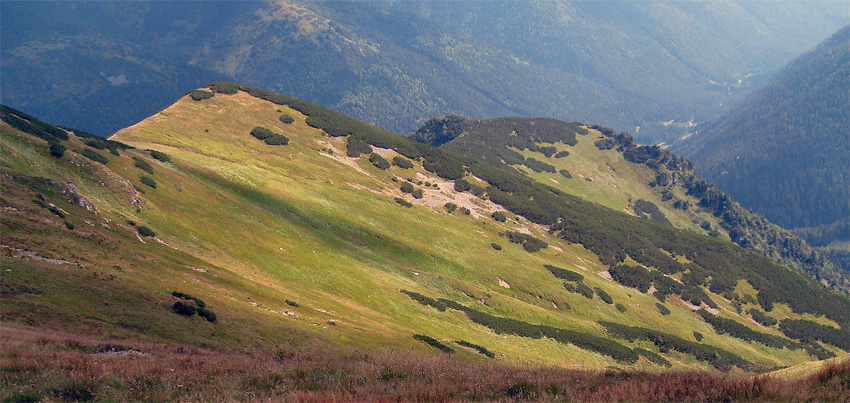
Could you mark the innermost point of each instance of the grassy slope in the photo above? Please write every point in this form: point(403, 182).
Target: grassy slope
point(294, 222)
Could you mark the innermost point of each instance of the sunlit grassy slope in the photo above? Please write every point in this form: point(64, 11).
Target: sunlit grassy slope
point(298, 243)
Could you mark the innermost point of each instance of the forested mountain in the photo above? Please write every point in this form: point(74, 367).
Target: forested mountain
point(784, 151)
point(293, 251)
point(610, 169)
point(100, 66)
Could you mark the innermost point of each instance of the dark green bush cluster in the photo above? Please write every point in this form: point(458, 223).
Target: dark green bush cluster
point(439, 305)
point(697, 336)
point(484, 351)
point(462, 185)
point(147, 180)
point(663, 309)
point(564, 274)
point(465, 211)
point(269, 137)
point(402, 162)
point(641, 279)
point(548, 151)
point(160, 156)
point(407, 187)
point(31, 125)
point(450, 207)
point(647, 209)
point(286, 119)
point(538, 166)
point(56, 211)
point(562, 154)
point(808, 331)
point(496, 246)
point(222, 87)
point(603, 295)
point(200, 95)
point(579, 288)
point(378, 161)
point(620, 307)
point(728, 326)
point(403, 203)
point(762, 318)
point(565, 173)
point(57, 150)
point(291, 303)
point(357, 146)
point(528, 242)
point(200, 307)
point(499, 216)
point(145, 231)
point(143, 165)
point(434, 343)
point(417, 193)
point(93, 155)
point(720, 359)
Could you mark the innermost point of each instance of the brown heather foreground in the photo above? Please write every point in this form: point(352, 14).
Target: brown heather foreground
point(42, 366)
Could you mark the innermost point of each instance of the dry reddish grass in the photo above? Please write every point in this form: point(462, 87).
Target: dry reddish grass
point(43, 366)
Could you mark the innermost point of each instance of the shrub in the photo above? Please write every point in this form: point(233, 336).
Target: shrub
point(181, 295)
point(478, 348)
point(604, 295)
point(160, 156)
point(477, 191)
point(760, 317)
point(697, 336)
point(462, 185)
point(562, 154)
point(145, 231)
point(291, 303)
point(496, 246)
point(57, 150)
point(56, 211)
point(143, 165)
point(499, 216)
point(93, 155)
point(286, 119)
point(402, 162)
point(147, 180)
point(450, 207)
point(564, 274)
point(407, 187)
point(438, 304)
point(528, 242)
point(277, 140)
point(356, 146)
point(620, 307)
point(434, 343)
point(417, 194)
point(661, 308)
point(261, 132)
point(378, 161)
point(207, 314)
point(565, 173)
point(222, 87)
point(403, 203)
point(183, 309)
point(200, 95)
point(465, 211)
point(69, 225)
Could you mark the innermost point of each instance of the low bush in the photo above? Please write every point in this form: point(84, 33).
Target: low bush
point(143, 165)
point(476, 347)
point(277, 140)
point(145, 231)
point(221, 87)
point(499, 216)
point(528, 242)
point(261, 132)
point(378, 161)
point(496, 246)
point(604, 296)
point(434, 343)
point(403, 203)
point(207, 314)
point(402, 162)
point(565, 173)
point(761, 317)
point(93, 155)
point(564, 274)
point(291, 303)
point(697, 336)
point(181, 295)
point(562, 154)
point(200, 95)
point(356, 146)
point(450, 207)
point(69, 225)
point(663, 309)
point(286, 119)
point(462, 185)
point(160, 156)
point(147, 180)
point(56, 211)
point(417, 194)
point(620, 307)
point(465, 211)
point(57, 150)
point(182, 308)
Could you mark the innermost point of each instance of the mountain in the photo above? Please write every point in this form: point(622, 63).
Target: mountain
point(295, 251)
point(783, 151)
point(647, 67)
point(611, 170)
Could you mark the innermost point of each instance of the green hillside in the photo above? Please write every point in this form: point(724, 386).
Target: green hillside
point(609, 169)
point(250, 223)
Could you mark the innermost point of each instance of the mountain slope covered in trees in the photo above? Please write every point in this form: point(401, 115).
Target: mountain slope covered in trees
point(100, 66)
point(783, 151)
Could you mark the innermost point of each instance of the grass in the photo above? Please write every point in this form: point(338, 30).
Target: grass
point(269, 225)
